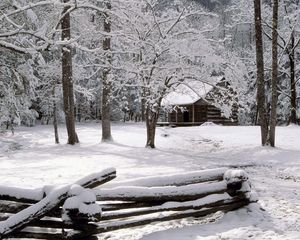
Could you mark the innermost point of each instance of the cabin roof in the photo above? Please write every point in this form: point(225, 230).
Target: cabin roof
point(190, 93)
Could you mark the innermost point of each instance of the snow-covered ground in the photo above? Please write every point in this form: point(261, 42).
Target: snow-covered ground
point(31, 159)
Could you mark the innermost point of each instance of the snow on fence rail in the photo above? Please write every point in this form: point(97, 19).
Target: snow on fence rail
point(81, 211)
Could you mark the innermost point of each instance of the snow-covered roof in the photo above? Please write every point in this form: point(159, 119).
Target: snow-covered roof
point(190, 92)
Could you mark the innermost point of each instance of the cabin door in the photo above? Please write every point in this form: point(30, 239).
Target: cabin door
point(186, 116)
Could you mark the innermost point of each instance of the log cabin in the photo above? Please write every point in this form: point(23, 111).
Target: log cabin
point(197, 105)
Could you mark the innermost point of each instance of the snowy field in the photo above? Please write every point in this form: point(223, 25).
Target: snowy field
point(31, 159)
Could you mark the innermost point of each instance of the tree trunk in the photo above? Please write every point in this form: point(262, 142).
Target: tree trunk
point(293, 116)
point(55, 117)
point(151, 120)
point(273, 120)
point(67, 78)
point(261, 101)
point(106, 128)
point(143, 109)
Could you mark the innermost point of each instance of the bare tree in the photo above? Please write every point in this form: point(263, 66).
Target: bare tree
point(290, 50)
point(55, 123)
point(274, 101)
point(67, 78)
point(106, 86)
point(261, 99)
point(291, 53)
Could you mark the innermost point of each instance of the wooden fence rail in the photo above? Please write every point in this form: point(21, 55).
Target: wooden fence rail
point(83, 210)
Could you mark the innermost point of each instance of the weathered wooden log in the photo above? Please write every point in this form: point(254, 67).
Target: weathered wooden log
point(51, 201)
point(126, 205)
point(153, 194)
point(209, 201)
point(58, 235)
point(12, 207)
point(53, 223)
point(15, 207)
point(58, 231)
point(35, 195)
point(97, 179)
point(78, 219)
point(81, 209)
point(37, 235)
point(237, 181)
point(179, 179)
point(20, 194)
point(117, 225)
point(49, 223)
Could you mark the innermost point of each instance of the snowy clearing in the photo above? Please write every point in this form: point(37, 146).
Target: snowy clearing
point(30, 159)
